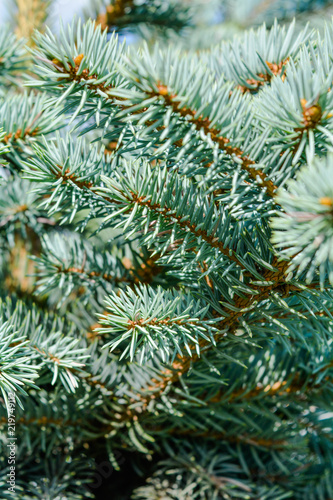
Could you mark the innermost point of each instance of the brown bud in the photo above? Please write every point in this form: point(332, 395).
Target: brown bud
point(78, 59)
point(326, 200)
point(313, 113)
point(163, 90)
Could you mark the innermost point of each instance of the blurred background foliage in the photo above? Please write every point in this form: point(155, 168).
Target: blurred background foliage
point(178, 20)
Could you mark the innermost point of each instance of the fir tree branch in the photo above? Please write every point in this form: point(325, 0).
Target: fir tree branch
point(181, 366)
point(276, 444)
point(254, 84)
point(78, 74)
point(13, 58)
point(168, 214)
point(91, 275)
point(232, 352)
point(203, 124)
point(299, 384)
point(20, 134)
point(130, 200)
point(127, 417)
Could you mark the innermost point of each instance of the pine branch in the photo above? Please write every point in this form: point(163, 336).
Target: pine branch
point(300, 385)
point(304, 228)
point(129, 417)
point(254, 84)
point(132, 203)
point(204, 124)
point(276, 444)
point(25, 120)
point(171, 377)
point(76, 69)
point(13, 59)
point(229, 347)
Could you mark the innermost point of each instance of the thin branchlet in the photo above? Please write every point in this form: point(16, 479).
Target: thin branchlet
point(170, 100)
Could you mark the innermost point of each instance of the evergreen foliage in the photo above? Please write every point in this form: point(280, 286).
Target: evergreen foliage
point(167, 268)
